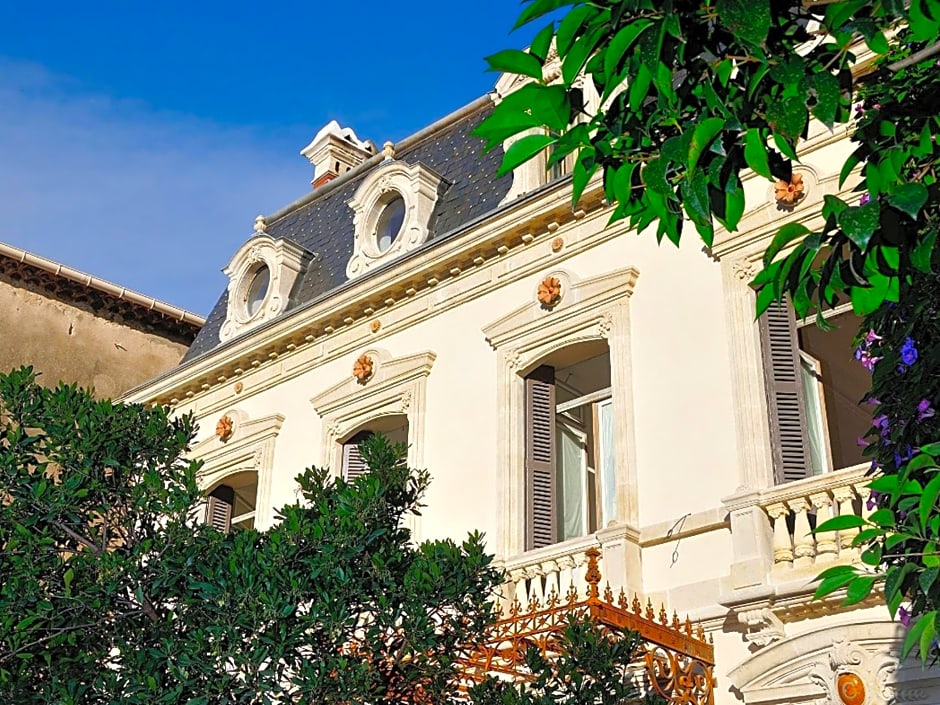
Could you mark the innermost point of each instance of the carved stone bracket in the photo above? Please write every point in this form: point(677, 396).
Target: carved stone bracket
point(763, 626)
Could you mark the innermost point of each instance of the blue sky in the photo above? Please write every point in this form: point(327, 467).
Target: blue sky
point(139, 140)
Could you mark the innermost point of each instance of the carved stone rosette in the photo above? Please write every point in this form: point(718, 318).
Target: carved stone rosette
point(224, 428)
point(363, 368)
point(787, 193)
point(549, 292)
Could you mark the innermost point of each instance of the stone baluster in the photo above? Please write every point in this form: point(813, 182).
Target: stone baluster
point(783, 546)
point(566, 575)
point(845, 497)
point(520, 588)
point(804, 543)
point(550, 571)
point(827, 547)
point(533, 574)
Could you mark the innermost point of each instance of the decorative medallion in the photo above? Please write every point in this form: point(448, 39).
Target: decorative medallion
point(557, 244)
point(224, 428)
point(851, 689)
point(239, 387)
point(375, 326)
point(549, 292)
point(363, 369)
point(789, 192)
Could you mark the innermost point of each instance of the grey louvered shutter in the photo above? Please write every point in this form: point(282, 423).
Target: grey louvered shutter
point(541, 524)
point(219, 508)
point(353, 463)
point(785, 393)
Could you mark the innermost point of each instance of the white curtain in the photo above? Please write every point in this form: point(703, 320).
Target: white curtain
point(815, 417)
point(571, 478)
point(606, 461)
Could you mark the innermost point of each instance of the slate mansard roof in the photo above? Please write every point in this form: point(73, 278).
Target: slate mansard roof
point(323, 223)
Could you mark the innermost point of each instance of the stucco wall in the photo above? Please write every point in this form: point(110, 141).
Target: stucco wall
point(68, 343)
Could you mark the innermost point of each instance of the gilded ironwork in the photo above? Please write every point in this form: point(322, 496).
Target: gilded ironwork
point(677, 660)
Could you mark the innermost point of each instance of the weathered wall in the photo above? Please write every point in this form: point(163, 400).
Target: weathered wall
point(69, 343)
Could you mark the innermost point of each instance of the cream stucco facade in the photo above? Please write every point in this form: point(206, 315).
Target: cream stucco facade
point(688, 511)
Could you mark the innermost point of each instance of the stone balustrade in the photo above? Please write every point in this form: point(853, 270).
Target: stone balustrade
point(794, 510)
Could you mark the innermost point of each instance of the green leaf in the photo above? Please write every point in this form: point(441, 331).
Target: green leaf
point(928, 500)
point(788, 117)
point(703, 135)
point(931, 449)
point(845, 521)
point(834, 578)
point(584, 168)
point(921, 255)
point(654, 176)
point(622, 41)
point(755, 153)
point(748, 20)
point(734, 204)
point(860, 222)
point(909, 198)
point(539, 8)
point(639, 88)
point(522, 150)
point(858, 590)
point(578, 54)
point(542, 42)
point(570, 27)
point(515, 61)
point(921, 626)
point(827, 91)
point(867, 299)
point(787, 234)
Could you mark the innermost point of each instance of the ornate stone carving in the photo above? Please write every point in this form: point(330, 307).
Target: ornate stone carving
point(375, 326)
point(388, 150)
point(763, 626)
point(789, 192)
point(405, 401)
point(513, 359)
point(557, 244)
point(224, 428)
point(744, 269)
point(549, 292)
point(363, 368)
point(604, 324)
point(872, 674)
point(260, 225)
point(239, 387)
point(851, 689)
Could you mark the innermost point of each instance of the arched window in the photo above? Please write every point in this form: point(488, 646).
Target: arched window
point(231, 503)
point(394, 427)
point(569, 454)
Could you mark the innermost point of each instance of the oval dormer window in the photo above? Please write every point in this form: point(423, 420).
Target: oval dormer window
point(257, 290)
point(390, 222)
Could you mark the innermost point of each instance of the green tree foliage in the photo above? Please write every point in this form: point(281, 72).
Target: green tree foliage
point(112, 590)
point(694, 94)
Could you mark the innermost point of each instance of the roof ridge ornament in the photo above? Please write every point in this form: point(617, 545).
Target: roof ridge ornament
point(260, 225)
point(388, 150)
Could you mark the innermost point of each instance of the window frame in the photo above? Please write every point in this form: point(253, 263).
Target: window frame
point(589, 310)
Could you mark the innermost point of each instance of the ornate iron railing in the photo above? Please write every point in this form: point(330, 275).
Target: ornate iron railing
point(677, 661)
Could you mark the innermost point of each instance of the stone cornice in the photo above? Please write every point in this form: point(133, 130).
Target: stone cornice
point(99, 296)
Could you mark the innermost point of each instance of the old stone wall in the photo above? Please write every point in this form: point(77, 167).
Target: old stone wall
point(73, 343)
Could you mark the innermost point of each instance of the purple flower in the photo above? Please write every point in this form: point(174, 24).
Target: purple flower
point(871, 337)
point(925, 410)
point(861, 442)
point(904, 617)
point(872, 502)
point(908, 352)
point(866, 197)
point(866, 358)
point(882, 424)
point(901, 458)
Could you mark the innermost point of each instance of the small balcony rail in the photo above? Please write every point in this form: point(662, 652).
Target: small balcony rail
point(795, 509)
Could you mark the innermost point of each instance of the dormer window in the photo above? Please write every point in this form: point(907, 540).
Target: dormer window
point(390, 223)
point(257, 290)
point(393, 208)
point(261, 276)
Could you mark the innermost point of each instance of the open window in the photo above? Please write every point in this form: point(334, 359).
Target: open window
point(231, 504)
point(814, 387)
point(570, 461)
point(394, 427)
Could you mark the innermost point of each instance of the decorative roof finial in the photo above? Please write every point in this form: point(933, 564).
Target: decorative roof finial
point(388, 150)
point(260, 225)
